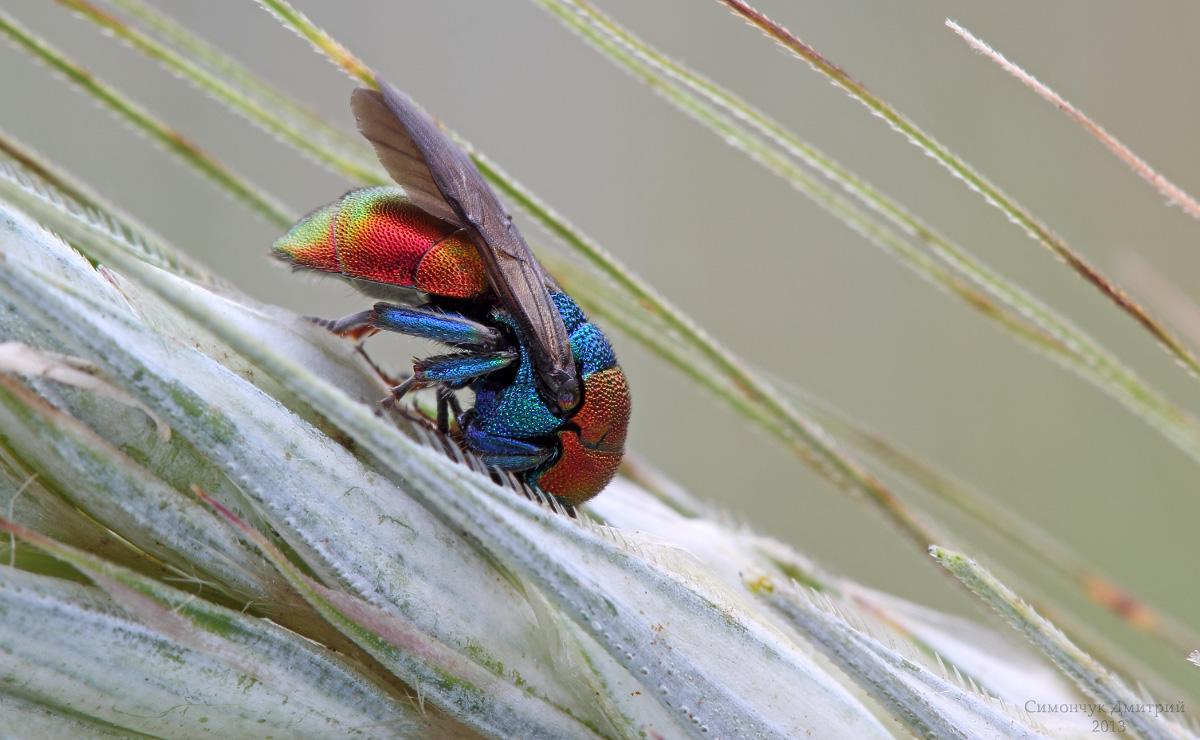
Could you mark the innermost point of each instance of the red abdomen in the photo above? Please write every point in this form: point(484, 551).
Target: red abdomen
point(377, 234)
point(590, 456)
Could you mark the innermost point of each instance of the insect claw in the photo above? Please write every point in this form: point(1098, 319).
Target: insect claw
point(399, 391)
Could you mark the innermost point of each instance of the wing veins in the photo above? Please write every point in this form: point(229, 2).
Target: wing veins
point(441, 179)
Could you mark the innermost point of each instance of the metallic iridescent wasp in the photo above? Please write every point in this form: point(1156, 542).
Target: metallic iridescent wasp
point(551, 403)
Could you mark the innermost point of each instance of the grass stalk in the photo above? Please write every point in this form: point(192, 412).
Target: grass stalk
point(974, 180)
point(143, 121)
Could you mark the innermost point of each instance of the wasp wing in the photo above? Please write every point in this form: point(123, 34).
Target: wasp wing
point(399, 154)
point(429, 166)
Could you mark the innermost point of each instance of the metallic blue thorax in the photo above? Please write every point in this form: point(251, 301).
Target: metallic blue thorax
point(514, 409)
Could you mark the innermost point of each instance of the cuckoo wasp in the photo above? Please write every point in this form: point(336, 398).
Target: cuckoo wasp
point(447, 263)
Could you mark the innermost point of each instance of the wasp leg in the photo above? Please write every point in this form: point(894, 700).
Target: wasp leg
point(388, 380)
point(410, 384)
point(446, 403)
point(355, 325)
point(459, 369)
point(455, 408)
point(450, 372)
point(440, 326)
point(507, 453)
point(425, 323)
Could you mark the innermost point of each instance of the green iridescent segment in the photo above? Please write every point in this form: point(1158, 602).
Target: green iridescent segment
point(379, 235)
point(589, 444)
point(309, 243)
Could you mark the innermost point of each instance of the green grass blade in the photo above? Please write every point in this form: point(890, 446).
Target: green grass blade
point(194, 50)
point(322, 41)
point(326, 691)
point(274, 114)
point(725, 115)
point(118, 493)
point(951, 268)
point(474, 695)
point(929, 706)
point(589, 293)
point(1095, 680)
point(671, 350)
point(976, 181)
point(79, 214)
point(245, 193)
point(22, 718)
point(1026, 536)
point(75, 650)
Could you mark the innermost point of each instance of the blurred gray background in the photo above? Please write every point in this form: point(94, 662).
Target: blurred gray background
point(789, 288)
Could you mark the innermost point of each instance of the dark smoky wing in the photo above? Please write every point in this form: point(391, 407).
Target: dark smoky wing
point(399, 154)
point(517, 277)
